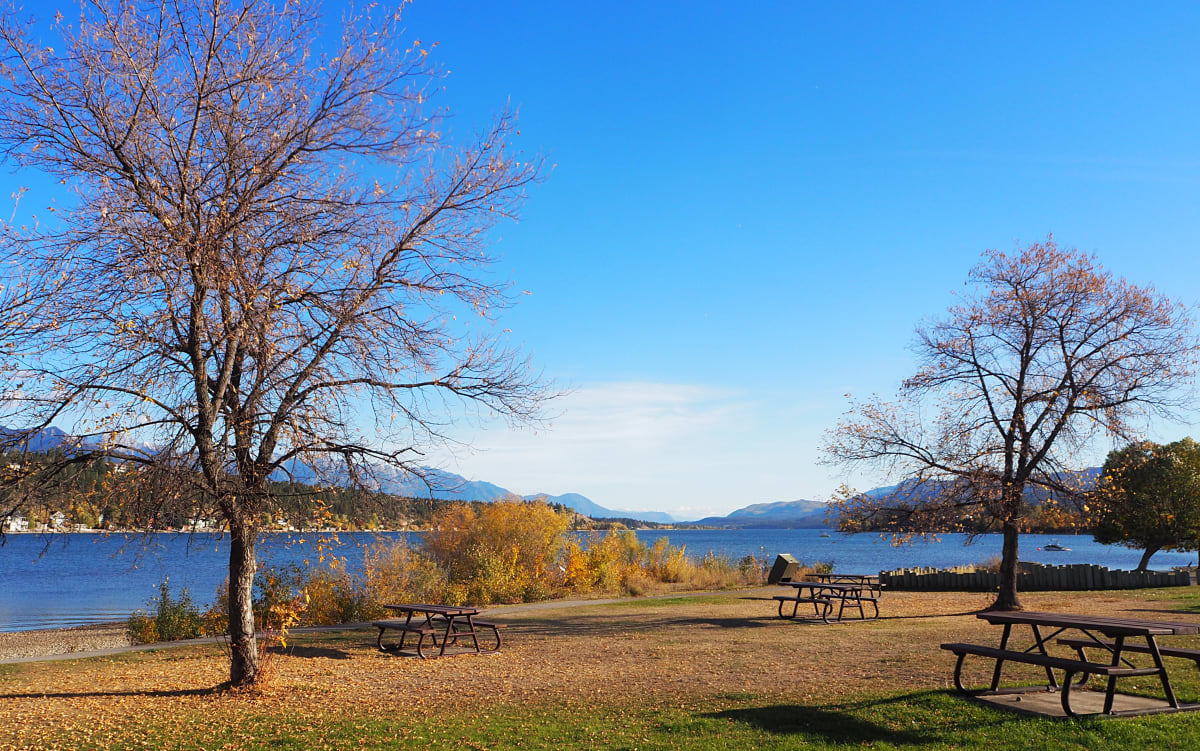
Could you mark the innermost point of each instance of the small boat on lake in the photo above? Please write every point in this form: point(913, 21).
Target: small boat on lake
point(1053, 546)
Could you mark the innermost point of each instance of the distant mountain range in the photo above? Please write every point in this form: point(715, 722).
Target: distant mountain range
point(443, 485)
point(435, 483)
point(1084, 478)
point(448, 486)
point(799, 514)
point(46, 439)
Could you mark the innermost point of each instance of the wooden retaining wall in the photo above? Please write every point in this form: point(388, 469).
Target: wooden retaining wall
point(1032, 577)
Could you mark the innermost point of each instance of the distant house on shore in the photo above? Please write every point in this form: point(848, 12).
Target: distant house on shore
point(203, 524)
point(57, 519)
point(16, 523)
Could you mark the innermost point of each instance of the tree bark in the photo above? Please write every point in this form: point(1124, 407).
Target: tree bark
point(243, 668)
point(1144, 564)
point(1006, 599)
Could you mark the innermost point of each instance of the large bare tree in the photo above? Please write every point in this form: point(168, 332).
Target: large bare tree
point(273, 256)
point(1048, 353)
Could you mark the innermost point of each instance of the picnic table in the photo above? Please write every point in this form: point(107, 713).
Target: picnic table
point(1115, 639)
point(823, 594)
point(871, 580)
point(442, 625)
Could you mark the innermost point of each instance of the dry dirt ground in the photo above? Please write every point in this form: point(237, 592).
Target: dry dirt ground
point(660, 652)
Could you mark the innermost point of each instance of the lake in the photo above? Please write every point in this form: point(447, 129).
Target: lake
point(72, 580)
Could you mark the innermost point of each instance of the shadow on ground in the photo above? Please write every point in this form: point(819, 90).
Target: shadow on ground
point(606, 625)
point(1170, 609)
point(113, 694)
point(327, 653)
point(829, 724)
point(845, 724)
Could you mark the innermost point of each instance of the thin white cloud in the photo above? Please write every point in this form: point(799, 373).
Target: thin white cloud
point(686, 449)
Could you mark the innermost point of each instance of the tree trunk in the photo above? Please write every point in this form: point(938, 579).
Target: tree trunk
point(1145, 562)
point(1007, 597)
point(243, 668)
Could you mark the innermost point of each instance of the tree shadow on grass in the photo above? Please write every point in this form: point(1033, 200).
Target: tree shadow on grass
point(847, 723)
point(1170, 610)
point(327, 653)
point(607, 625)
point(113, 694)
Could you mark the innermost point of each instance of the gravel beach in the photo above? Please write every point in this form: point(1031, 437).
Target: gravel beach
point(57, 641)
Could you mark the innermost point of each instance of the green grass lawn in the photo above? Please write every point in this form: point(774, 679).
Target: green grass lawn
point(927, 720)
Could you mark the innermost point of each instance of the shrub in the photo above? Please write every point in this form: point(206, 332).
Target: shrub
point(505, 551)
point(667, 563)
point(332, 596)
point(991, 563)
point(141, 629)
point(394, 572)
point(172, 618)
point(216, 617)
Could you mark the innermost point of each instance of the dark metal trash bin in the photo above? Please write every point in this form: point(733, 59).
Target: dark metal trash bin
point(785, 568)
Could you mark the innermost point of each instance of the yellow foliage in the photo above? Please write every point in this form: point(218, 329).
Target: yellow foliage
point(505, 552)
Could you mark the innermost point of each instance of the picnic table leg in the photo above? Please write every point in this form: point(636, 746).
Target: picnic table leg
point(496, 633)
point(474, 637)
point(999, 660)
point(445, 636)
point(1040, 643)
point(795, 605)
point(404, 634)
point(1065, 695)
point(958, 673)
point(1162, 671)
point(862, 614)
point(1110, 690)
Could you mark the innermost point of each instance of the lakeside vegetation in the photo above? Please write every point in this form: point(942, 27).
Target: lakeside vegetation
point(478, 554)
point(702, 671)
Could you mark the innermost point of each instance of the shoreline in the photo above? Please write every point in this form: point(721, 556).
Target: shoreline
point(60, 641)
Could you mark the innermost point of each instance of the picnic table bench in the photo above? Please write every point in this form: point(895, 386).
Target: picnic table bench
point(823, 594)
point(443, 625)
point(1115, 645)
point(1110, 646)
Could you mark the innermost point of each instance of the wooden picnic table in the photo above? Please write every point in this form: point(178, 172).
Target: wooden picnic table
point(822, 596)
point(440, 623)
point(869, 580)
point(1111, 636)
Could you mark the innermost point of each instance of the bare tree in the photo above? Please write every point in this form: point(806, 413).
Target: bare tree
point(1049, 353)
point(273, 257)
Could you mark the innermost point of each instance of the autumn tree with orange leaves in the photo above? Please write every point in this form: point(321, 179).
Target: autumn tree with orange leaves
point(1047, 353)
point(270, 256)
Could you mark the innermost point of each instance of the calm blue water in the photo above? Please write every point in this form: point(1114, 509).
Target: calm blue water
point(72, 580)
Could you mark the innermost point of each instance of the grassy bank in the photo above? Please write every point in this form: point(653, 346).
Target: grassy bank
point(704, 672)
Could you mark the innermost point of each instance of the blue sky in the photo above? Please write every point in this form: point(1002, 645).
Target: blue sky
point(753, 205)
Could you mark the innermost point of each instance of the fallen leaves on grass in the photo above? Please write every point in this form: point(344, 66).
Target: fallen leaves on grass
point(574, 658)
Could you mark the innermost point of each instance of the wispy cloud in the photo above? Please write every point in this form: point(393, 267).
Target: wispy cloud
point(685, 449)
